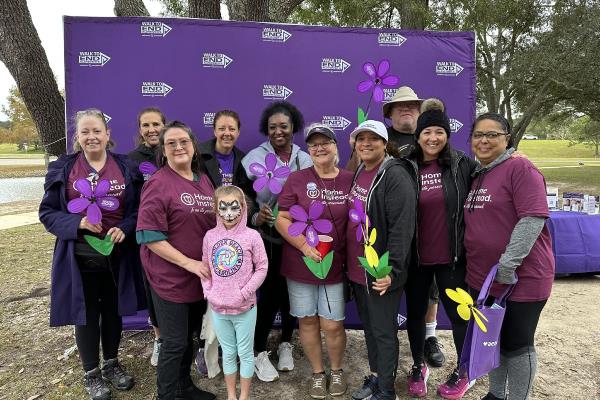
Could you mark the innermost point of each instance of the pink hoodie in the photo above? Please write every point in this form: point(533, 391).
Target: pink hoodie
point(238, 265)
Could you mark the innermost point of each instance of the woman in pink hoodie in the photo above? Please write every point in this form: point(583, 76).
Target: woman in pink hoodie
point(236, 257)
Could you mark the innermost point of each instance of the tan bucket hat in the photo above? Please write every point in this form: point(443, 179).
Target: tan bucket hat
point(403, 94)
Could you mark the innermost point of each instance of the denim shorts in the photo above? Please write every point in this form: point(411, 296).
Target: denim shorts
point(307, 300)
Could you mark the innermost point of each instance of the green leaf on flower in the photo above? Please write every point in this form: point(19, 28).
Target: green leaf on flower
point(103, 246)
point(362, 117)
point(382, 269)
point(320, 269)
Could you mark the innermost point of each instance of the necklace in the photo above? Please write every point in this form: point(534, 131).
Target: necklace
point(325, 196)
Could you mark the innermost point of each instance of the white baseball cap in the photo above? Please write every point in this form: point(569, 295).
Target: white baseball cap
point(370, 125)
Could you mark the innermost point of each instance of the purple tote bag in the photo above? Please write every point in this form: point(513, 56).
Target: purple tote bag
point(481, 350)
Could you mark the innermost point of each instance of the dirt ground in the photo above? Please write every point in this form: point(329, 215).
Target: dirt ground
point(32, 363)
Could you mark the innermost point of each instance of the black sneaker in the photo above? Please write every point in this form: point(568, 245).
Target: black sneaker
point(114, 373)
point(369, 387)
point(95, 386)
point(433, 353)
point(186, 390)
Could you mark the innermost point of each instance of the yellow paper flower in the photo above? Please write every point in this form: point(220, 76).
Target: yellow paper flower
point(370, 253)
point(466, 307)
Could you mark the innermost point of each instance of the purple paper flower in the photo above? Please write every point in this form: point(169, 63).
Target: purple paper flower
point(358, 215)
point(309, 222)
point(377, 78)
point(147, 168)
point(94, 198)
point(268, 174)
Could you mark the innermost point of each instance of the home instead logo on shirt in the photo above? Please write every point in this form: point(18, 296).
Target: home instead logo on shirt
point(199, 203)
point(481, 198)
point(431, 181)
point(331, 196)
point(227, 256)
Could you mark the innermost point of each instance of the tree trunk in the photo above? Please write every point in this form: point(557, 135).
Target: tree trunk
point(413, 14)
point(204, 9)
point(279, 11)
point(529, 113)
point(237, 10)
point(22, 52)
point(257, 10)
point(131, 8)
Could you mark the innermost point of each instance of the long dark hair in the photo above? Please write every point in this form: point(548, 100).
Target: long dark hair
point(499, 119)
point(197, 164)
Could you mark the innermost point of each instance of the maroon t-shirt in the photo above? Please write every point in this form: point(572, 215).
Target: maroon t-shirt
point(302, 188)
point(182, 209)
point(434, 243)
point(110, 172)
point(354, 249)
point(510, 191)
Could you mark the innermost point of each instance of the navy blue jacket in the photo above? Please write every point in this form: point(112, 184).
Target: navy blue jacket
point(67, 302)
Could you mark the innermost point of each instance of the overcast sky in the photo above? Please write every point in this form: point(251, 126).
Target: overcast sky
point(47, 18)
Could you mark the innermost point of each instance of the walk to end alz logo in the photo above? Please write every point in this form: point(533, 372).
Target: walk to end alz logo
point(448, 68)
point(92, 59)
point(455, 125)
point(215, 60)
point(275, 35)
point(107, 117)
point(338, 65)
point(388, 93)
point(335, 122)
point(276, 92)
point(208, 118)
point(155, 89)
point(154, 29)
point(390, 39)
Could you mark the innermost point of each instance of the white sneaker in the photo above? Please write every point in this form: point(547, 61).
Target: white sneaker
point(264, 369)
point(155, 353)
point(286, 360)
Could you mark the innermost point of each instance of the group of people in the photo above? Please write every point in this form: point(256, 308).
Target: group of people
point(205, 228)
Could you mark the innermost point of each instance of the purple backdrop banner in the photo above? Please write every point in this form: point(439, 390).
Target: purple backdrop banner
point(193, 68)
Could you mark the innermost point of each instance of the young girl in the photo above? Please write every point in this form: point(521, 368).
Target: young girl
point(237, 260)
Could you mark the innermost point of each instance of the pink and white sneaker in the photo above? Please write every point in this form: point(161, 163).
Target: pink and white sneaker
point(455, 387)
point(417, 380)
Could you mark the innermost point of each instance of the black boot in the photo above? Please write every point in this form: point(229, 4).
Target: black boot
point(114, 373)
point(95, 386)
point(186, 390)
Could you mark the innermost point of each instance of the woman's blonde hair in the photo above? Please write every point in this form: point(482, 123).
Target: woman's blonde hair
point(90, 112)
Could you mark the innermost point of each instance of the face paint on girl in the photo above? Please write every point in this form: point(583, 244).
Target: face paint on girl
point(229, 210)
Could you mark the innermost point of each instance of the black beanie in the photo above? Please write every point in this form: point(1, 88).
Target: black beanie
point(433, 114)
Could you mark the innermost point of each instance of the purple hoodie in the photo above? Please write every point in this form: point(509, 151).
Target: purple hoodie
point(238, 265)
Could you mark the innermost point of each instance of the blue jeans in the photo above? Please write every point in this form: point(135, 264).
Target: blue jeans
point(236, 337)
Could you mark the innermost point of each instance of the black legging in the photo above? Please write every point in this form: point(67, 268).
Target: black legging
point(273, 297)
point(417, 290)
point(102, 317)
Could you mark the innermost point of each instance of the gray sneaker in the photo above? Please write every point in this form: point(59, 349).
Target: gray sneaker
point(370, 386)
point(113, 373)
point(155, 352)
point(318, 385)
point(95, 386)
point(338, 384)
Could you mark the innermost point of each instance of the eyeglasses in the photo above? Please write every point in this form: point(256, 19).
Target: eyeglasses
point(173, 144)
point(491, 135)
point(315, 146)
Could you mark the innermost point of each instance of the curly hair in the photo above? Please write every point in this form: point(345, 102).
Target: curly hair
point(285, 108)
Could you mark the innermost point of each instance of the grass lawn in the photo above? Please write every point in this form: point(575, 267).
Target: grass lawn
point(9, 150)
point(554, 149)
point(21, 171)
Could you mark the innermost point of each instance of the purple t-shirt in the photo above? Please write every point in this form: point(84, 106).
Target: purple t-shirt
point(434, 243)
point(226, 167)
point(182, 209)
point(509, 192)
point(110, 172)
point(302, 188)
point(354, 249)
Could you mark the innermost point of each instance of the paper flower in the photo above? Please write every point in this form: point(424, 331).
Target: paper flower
point(269, 175)
point(378, 77)
point(370, 252)
point(309, 224)
point(466, 308)
point(103, 246)
point(358, 215)
point(147, 168)
point(94, 198)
